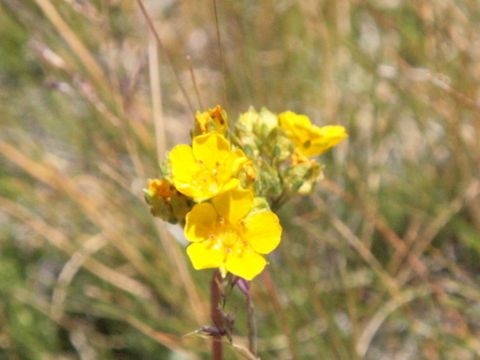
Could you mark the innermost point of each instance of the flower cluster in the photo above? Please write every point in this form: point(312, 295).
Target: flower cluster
point(222, 188)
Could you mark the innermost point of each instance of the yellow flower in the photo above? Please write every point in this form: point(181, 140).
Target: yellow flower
point(226, 234)
point(206, 168)
point(211, 120)
point(310, 140)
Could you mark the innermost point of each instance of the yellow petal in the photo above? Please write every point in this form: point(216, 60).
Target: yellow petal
point(297, 127)
point(205, 256)
point(289, 118)
point(246, 264)
point(183, 164)
point(229, 168)
point(211, 149)
point(186, 189)
point(200, 222)
point(234, 205)
point(263, 231)
point(214, 189)
point(310, 140)
point(295, 123)
point(327, 137)
point(231, 184)
point(235, 160)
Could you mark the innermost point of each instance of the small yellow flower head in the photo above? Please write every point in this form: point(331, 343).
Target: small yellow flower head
point(165, 201)
point(211, 120)
point(228, 235)
point(310, 140)
point(207, 168)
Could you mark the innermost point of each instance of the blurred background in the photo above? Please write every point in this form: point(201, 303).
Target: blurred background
point(380, 262)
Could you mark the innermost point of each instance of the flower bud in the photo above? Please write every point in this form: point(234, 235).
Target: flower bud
point(254, 128)
point(268, 182)
point(211, 120)
point(166, 202)
point(247, 174)
point(279, 146)
point(302, 176)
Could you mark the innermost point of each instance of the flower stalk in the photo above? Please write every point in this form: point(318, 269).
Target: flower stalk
point(216, 314)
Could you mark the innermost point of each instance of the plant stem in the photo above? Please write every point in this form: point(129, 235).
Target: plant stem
point(216, 315)
point(252, 329)
point(244, 287)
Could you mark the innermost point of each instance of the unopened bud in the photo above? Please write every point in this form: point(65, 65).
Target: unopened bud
point(211, 120)
point(166, 202)
point(302, 176)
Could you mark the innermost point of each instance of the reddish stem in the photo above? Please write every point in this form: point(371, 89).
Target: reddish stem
point(216, 315)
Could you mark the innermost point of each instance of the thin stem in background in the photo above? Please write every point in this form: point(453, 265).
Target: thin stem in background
point(160, 138)
point(221, 54)
point(252, 328)
point(156, 94)
point(88, 60)
point(273, 292)
point(169, 58)
point(244, 287)
point(194, 81)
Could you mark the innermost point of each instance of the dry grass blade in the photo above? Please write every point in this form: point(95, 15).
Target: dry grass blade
point(164, 339)
point(169, 59)
point(53, 177)
point(381, 226)
point(89, 62)
point(194, 82)
point(71, 267)
point(196, 302)
point(220, 52)
point(272, 290)
point(61, 241)
point(156, 95)
point(244, 352)
point(363, 251)
point(381, 315)
point(426, 237)
point(198, 306)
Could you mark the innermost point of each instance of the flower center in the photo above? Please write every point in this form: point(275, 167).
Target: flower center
point(228, 237)
point(208, 179)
